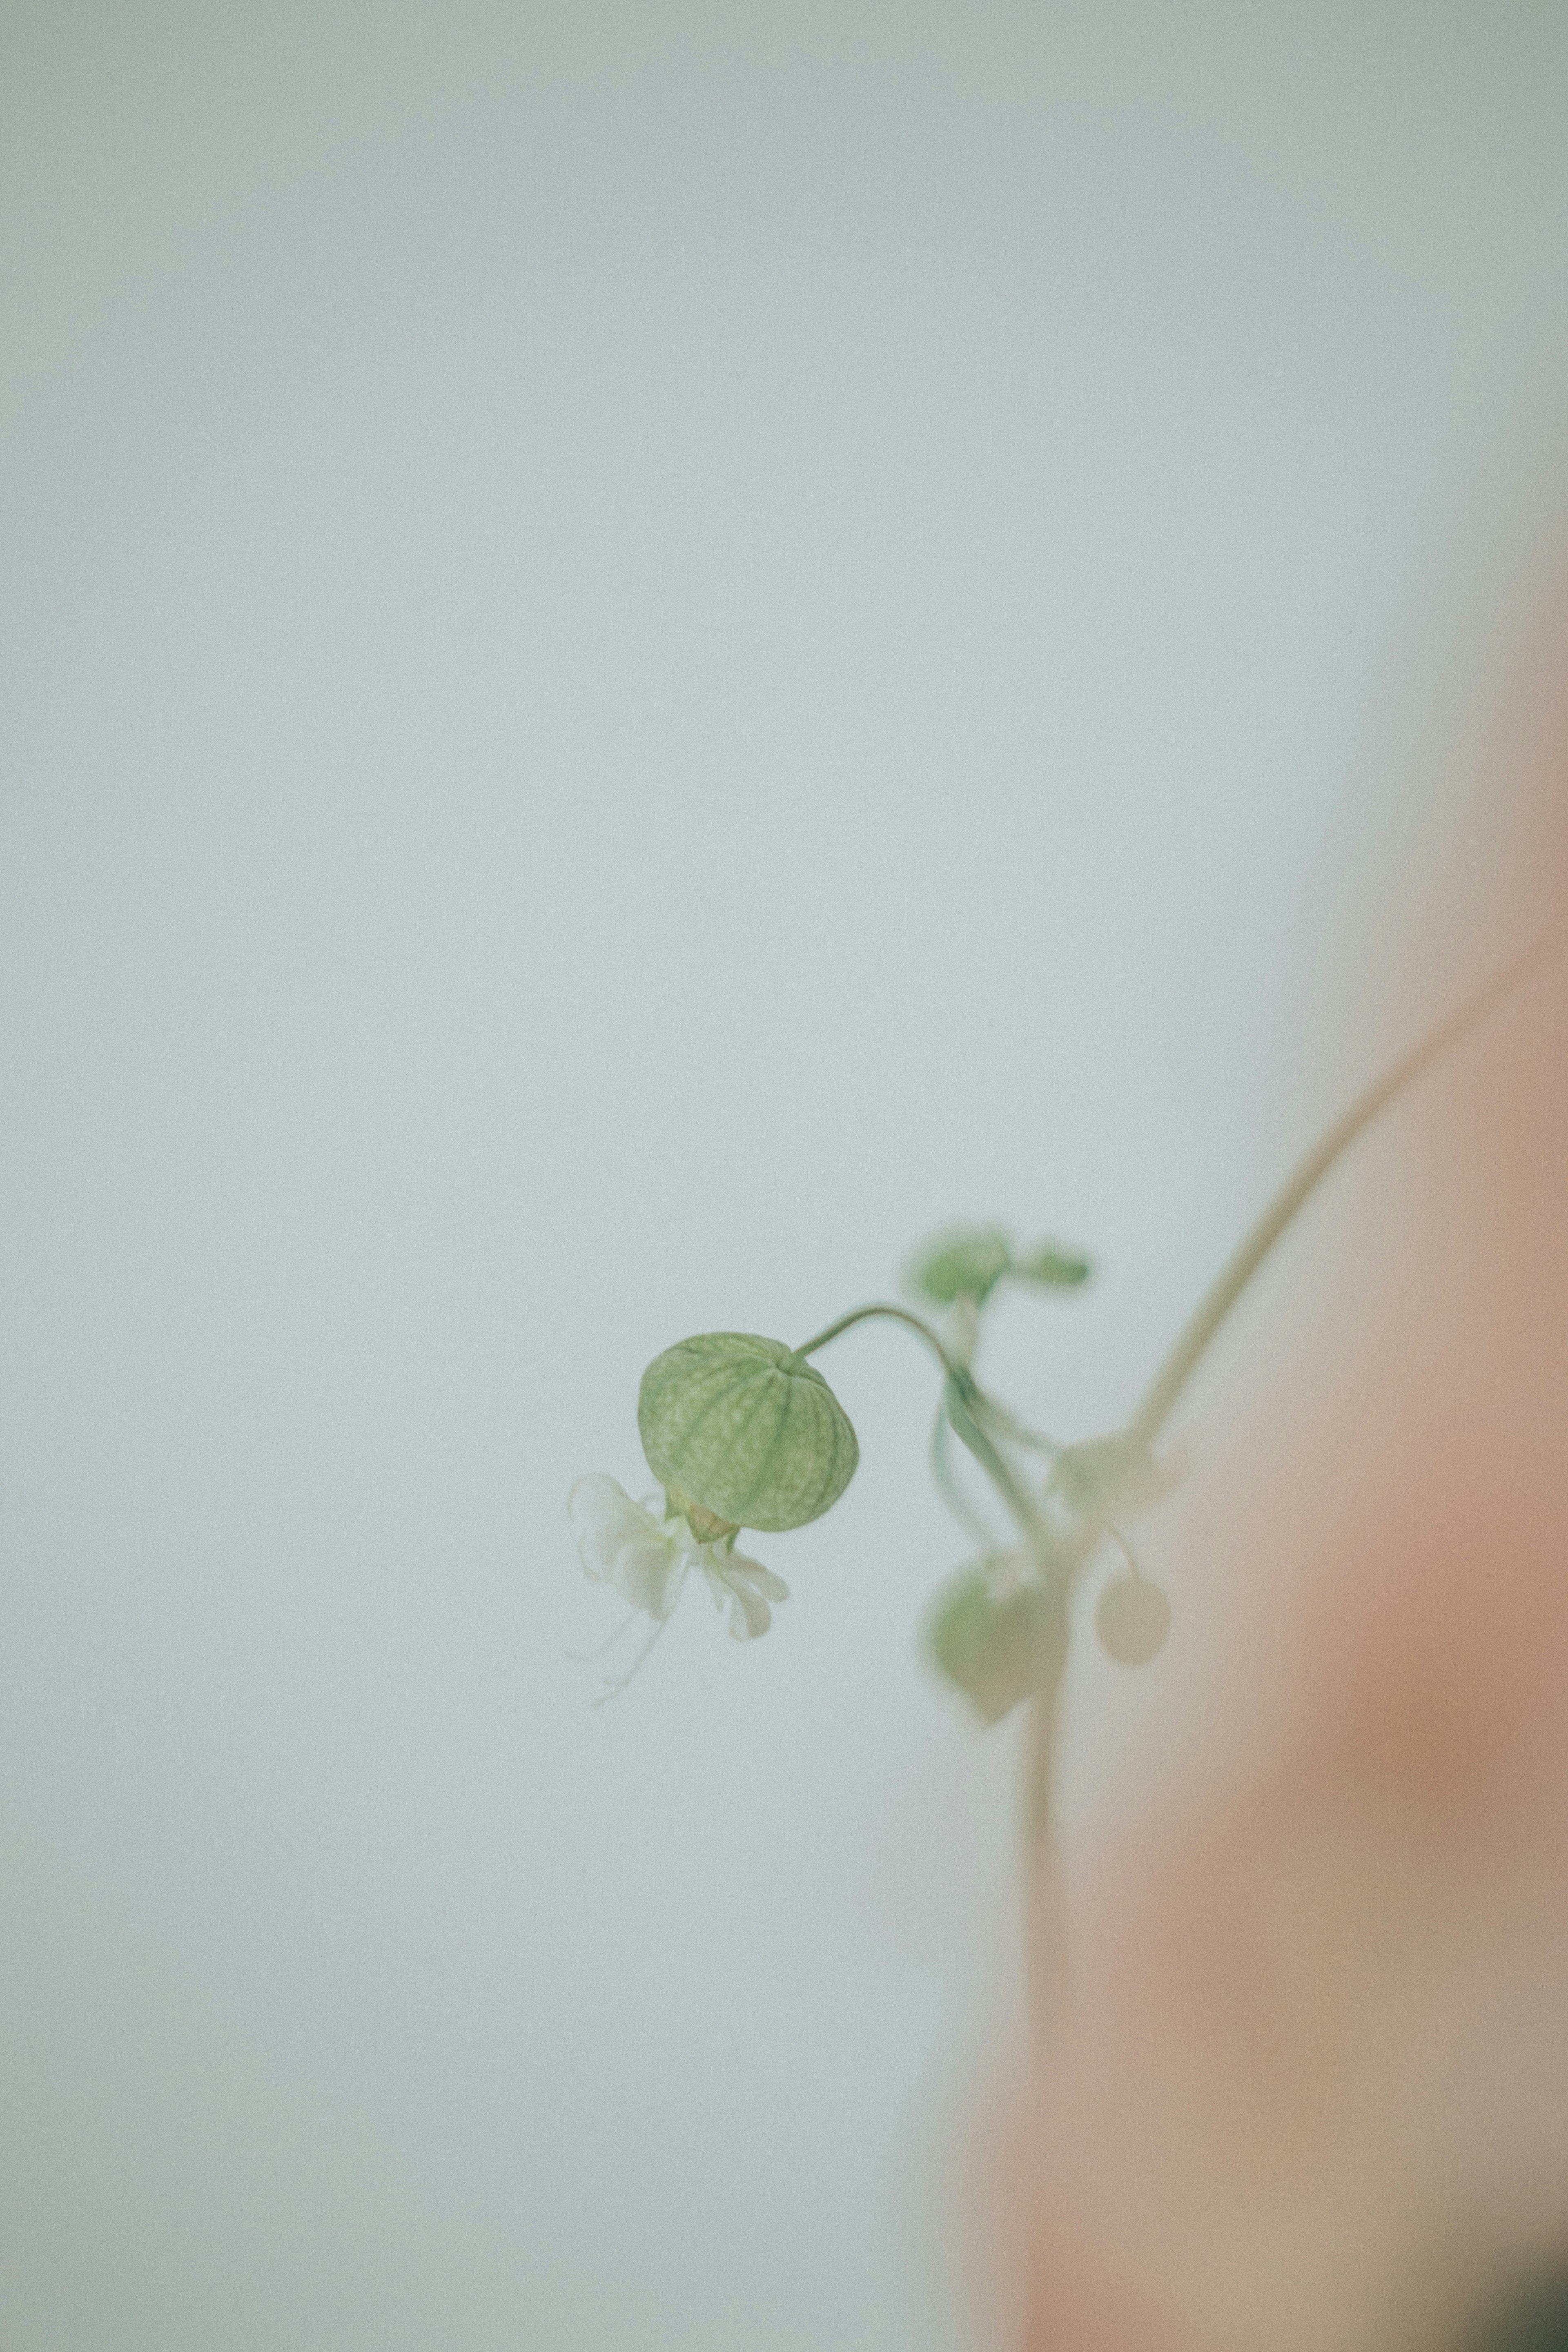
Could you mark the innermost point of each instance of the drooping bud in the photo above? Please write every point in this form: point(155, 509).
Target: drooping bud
point(745, 1429)
point(966, 1262)
point(1057, 1269)
point(1132, 1618)
point(999, 1637)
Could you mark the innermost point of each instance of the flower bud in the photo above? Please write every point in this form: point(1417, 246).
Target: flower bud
point(967, 1262)
point(1132, 1618)
point(1057, 1269)
point(1000, 1638)
point(746, 1429)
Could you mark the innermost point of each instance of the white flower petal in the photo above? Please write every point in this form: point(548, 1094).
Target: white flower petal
point(750, 1587)
point(749, 1615)
point(772, 1587)
point(607, 1520)
point(646, 1555)
point(650, 1572)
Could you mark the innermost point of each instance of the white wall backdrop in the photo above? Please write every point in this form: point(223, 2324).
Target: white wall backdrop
point(646, 651)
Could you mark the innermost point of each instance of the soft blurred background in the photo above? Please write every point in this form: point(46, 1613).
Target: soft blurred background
point(647, 649)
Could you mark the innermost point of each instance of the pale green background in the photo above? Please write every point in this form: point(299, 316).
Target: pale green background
point(645, 649)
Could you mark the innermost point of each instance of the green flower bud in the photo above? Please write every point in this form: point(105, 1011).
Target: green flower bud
point(1057, 1269)
point(1000, 1638)
point(746, 1429)
point(1132, 1618)
point(966, 1262)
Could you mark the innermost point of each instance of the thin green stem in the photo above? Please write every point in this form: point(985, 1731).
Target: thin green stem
point(1017, 1433)
point(1050, 1982)
point(955, 1372)
point(966, 1330)
point(962, 1391)
point(1234, 1277)
point(1015, 1494)
point(947, 1486)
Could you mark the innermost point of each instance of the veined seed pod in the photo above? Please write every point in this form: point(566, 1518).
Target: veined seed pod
point(747, 1429)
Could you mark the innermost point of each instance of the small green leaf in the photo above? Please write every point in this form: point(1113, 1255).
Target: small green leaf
point(746, 1429)
point(999, 1639)
point(1057, 1269)
point(965, 1261)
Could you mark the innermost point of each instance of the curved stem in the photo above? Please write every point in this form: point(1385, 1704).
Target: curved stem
point(962, 1391)
point(1049, 1976)
point(1020, 1502)
point(1014, 1431)
point(955, 1372)
point(1234, 1277)
point(947, 1486)
point(964, 1322)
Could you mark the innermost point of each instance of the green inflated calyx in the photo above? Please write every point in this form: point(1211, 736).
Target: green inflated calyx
point(747, 1429)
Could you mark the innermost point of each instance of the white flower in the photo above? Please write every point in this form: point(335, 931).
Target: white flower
point(748, 1586)
point(622, 1544)
point(645, 1551)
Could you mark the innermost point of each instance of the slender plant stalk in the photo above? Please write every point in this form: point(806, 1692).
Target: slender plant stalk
point(1046, 1923)
point(959, 1397)
point(952, 1493)
point(1298, 1189)
point(955, 1369)
point(972, 1416)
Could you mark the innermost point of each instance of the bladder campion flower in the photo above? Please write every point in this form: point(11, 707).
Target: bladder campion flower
point(744, 1431)
point(645, 1551)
